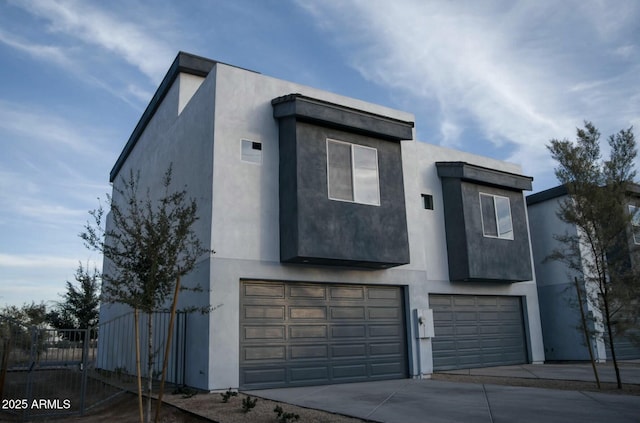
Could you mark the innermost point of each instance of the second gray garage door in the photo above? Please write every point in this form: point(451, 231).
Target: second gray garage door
point(294, 334)
point(477, 331)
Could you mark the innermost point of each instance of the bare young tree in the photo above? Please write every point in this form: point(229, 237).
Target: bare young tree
point(148, 244)
point(601, 252)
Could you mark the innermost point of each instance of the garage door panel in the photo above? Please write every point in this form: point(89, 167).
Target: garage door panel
point(348, 331)
point(264, 312)
point(349, 372)
point(466, 330)
point(307, 292)
point(303, 332)
point(493, 330)
point(346, 293)
point(308, 312)
point(264, 376)
point(462, 301)
point(488, 316)
point(378, 331)
point(384, 313)
point(443, 315)
point(306, 352)
point(477, 331)
point(489, 344)
point(264, 332)
point(466, 316)
point(385, 349)
point(333, 334)
point(486, 301)
point(262, 290)
point(267, 353)
point(308, 374)
point(354, 313)
point(386, 369)
point(468, 345)
point(392, 294)
point(349, 351)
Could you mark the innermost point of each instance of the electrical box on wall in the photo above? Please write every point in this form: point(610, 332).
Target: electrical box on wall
point(424, 323)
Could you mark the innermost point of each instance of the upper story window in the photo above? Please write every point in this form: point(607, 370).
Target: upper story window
point(635, 223)
point(352, 173)
point(496, 216)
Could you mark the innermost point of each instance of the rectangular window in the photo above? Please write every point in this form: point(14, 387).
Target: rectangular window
point(427, 201)
point(635, 223)
point(496, 216)
point(352, 173)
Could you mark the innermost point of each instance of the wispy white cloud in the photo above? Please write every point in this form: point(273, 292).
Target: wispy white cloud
point(34, 261)
point(47, 129)
point(88, 23)
point(515, 74)
point(37, 277)
point(49, 53)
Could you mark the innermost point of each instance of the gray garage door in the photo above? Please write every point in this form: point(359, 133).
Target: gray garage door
point(294, 334)
point(477, 331)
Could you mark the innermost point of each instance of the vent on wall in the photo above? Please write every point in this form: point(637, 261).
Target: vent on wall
point(251, 151)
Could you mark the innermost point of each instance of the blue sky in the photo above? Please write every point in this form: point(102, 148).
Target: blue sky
point(497, 78)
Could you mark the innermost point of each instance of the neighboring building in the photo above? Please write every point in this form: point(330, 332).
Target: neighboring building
point(564, 338)
point(341, 249)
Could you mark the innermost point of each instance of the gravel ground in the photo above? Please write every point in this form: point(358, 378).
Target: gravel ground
point(212, 407)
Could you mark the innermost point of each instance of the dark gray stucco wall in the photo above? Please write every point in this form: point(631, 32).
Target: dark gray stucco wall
point(457, 247)
point(288, 186)
point(494, 258)
point(316, 229)
point(473, 256)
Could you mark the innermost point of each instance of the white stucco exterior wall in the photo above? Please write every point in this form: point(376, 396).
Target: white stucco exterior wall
point(239, 212)
point(563, 336)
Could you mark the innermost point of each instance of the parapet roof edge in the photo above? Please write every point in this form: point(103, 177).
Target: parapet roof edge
point(547, 194)
point(293, 96)
point(338, 115)
point(561, 190)
point(183, 63)
point(472, 172)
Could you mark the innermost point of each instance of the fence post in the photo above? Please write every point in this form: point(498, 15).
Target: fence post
point(86, 339)
point(33, 357)
point(6, 350)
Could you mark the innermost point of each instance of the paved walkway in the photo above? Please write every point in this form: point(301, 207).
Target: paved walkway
point(433, 401)
point(629, 370)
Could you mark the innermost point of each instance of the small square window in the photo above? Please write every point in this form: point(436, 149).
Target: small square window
point(427, 201)
point(251, 151)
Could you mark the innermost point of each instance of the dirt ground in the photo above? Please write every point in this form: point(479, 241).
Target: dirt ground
point(125, 410)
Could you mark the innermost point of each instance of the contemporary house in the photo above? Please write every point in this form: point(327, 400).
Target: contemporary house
point(341, 249)
point(564, 338)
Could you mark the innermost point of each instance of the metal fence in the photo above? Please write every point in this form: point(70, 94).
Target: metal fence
point(48, 372)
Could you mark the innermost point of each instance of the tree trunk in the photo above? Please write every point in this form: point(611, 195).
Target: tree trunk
point(167, 349)
point(149, 365)
point(611, 345)
point(136, 315)
point(587, 338)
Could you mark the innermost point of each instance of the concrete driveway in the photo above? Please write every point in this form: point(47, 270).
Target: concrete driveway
point(433, 401)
